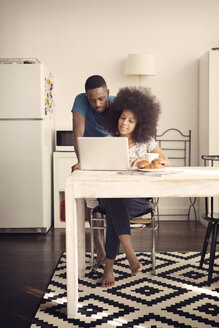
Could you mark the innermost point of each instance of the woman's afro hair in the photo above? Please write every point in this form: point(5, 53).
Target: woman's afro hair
point(142, 104)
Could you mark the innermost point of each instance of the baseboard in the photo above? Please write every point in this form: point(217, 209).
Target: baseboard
point(177, 214)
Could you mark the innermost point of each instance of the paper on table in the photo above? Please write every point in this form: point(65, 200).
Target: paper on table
point(152, 172)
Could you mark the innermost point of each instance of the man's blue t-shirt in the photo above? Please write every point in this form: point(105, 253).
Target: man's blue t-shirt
point(93, 120)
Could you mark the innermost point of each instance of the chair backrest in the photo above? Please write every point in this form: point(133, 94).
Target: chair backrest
point(176, 145)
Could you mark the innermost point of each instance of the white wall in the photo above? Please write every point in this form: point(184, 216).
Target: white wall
point(78, 38)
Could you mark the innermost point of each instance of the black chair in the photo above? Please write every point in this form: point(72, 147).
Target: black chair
point(177, 147)
point(141, 222)
point(213, 221)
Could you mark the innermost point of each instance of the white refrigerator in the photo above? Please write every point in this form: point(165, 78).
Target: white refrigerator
point(26, 146)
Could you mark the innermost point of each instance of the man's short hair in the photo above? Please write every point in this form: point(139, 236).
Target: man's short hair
point(95, 81)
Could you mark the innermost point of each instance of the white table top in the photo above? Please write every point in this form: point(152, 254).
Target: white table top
point(169, 182)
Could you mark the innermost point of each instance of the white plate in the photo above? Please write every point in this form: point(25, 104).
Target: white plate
point(153, 170)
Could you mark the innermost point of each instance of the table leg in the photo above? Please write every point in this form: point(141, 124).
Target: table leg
point(71, 253)
point(80, 205)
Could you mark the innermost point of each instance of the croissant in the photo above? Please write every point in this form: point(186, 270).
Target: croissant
point(143, 164)
point(157, 163)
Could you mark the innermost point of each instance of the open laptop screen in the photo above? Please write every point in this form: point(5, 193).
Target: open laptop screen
point(103, 153)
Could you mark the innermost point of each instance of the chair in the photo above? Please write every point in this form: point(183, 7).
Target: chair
point(177, 146)
point(141, 222)
point(213, 221)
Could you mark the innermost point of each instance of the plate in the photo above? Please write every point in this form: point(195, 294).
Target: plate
point(153, 170)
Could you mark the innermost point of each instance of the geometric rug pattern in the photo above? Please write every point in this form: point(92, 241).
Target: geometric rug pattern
point(177, 296)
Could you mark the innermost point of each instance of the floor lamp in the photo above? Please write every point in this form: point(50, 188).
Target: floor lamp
point(139, 64)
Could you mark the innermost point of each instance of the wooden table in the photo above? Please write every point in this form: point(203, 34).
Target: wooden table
point(173, 182)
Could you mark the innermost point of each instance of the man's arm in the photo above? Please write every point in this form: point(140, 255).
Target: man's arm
point(78, 130)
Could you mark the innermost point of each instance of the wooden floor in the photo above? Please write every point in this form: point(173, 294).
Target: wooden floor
point(27, 261)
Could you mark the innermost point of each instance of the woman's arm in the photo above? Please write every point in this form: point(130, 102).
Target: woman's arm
point(156, 164)
point(162, 155)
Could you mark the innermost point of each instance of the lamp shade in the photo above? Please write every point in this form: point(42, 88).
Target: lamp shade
point(139, 64)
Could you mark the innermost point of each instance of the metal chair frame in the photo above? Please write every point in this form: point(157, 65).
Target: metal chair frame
point(147, 224)
point(213, 222)
point(177, 149)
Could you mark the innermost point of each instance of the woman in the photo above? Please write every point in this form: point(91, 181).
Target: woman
point(133, 114)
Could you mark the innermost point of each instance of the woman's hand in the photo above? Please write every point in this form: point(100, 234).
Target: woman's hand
point(75, 167)
point(133, 161)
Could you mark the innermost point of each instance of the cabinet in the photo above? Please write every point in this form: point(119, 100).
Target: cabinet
point(209, 110)
point(62, 163)
point(209, 104)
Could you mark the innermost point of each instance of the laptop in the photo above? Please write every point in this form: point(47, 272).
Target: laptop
point(103, 153)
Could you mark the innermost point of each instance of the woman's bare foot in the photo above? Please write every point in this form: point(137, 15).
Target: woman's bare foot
point(134, 263)
point(108, 276)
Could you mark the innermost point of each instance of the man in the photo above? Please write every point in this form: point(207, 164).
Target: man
point(88, 112)
point(89, 109)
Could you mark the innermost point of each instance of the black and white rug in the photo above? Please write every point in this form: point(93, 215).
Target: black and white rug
point(177, 296)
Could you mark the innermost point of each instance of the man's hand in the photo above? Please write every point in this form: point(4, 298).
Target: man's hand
point(75, 167)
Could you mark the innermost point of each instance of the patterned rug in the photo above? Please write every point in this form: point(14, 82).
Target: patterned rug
point(177, 296)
